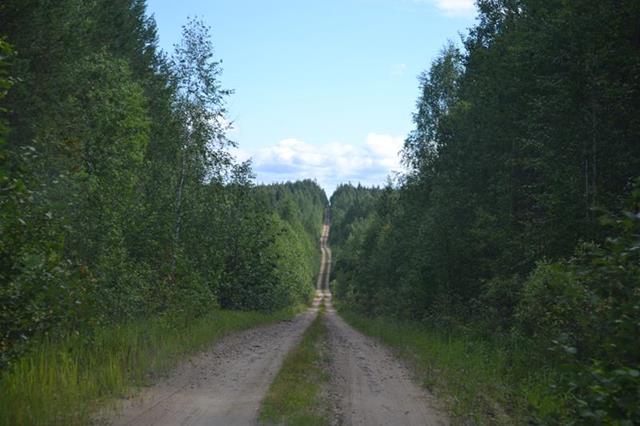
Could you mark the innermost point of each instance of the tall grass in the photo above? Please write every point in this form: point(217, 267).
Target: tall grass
point(481, 381)
point(64, 381)
point(296, 395)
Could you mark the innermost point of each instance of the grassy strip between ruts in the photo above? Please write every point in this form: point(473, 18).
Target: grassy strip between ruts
point(479, 381)
point(64, 382)
point(296, 394)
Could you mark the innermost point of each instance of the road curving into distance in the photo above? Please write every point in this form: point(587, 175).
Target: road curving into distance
point(225, 385)
point(325, 261)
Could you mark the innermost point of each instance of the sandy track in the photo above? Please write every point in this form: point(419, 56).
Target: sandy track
point(369, 386)
point(225, 385)
point(222, 386)
point(325, 265)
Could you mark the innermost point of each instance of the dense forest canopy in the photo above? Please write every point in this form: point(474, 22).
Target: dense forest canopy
point(519, 215)
point(119, 197)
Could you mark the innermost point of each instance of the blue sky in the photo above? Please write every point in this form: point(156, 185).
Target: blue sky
point(323, 89)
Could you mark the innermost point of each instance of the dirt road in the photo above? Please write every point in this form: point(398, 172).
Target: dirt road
point(225, 385)
point(325, 266)
point(369, 386)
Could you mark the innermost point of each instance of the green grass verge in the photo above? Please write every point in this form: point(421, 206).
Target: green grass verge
point(296, 395)
point(479, 381)
point(64, 382)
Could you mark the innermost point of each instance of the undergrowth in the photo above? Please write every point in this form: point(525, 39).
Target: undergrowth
point(63, 382)
point(480, 381)
point(295, 396)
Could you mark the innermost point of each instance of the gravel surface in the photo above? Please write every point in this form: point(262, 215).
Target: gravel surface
point(369, 386)
point(225, 385)
point(222, 386)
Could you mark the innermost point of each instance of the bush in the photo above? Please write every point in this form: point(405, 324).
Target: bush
point(498, 299)
point(588, 310)
point(554, 306)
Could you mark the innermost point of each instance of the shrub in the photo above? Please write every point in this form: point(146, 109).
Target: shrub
point(588, 309)
point(554, 305)
point(498, 299)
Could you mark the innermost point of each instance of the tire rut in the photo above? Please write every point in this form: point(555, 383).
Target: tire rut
point(222, 386)
point(370, 386)
point(226, 384)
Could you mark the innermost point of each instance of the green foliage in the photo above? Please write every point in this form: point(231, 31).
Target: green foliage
point(480, 380)
point(582, 314)
point(285, 242)
point(521, 137)
point(296, 395)
point(498, 300)
point(348, 204)
point(587, 309)
point(119, 199)
point(553, 304)
point(63, 381)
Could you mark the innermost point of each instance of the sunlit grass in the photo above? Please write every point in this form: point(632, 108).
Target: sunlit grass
point(63, 382)
point(296, 394)
point(479, 381)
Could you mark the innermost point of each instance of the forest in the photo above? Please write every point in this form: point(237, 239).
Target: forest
point(130, 235)
point(120, 199)
point(518, 222)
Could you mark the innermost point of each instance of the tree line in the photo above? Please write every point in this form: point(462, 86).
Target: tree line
point(518, 218)
point(119, 198)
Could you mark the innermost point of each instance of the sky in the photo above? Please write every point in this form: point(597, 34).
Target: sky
point(323, 89)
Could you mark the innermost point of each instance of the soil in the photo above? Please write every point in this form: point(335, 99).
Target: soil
point(225, 385)
point(222, 386)
point(369, 386)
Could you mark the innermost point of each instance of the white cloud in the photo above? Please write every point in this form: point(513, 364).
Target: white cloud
point(456, 7)
point(239, 154)
point(453, 7)
point(332, 163)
